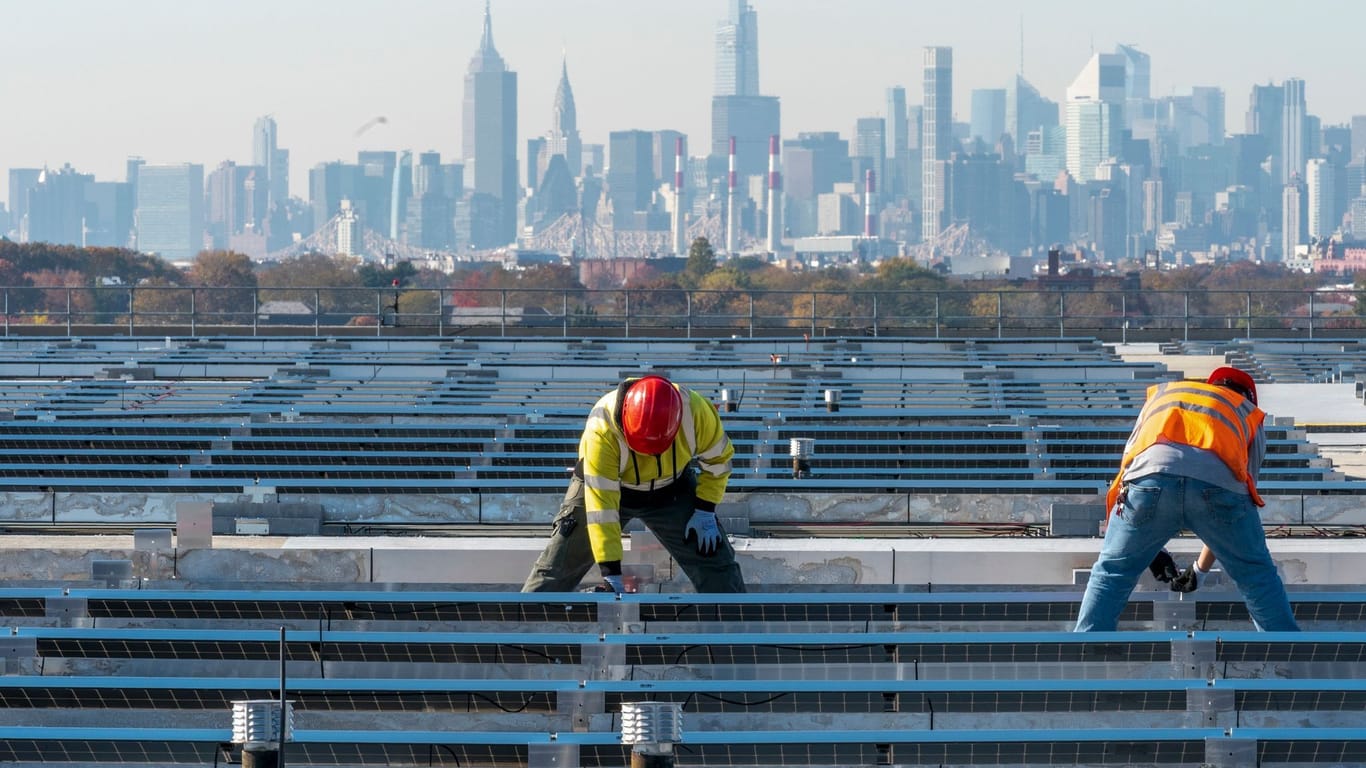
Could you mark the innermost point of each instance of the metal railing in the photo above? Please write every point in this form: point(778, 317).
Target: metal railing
point(960, 312)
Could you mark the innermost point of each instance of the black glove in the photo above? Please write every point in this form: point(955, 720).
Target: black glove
point(1189, 579)
point(1163, 567)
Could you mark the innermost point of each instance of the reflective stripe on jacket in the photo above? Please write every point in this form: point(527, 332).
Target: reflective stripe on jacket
point(609, 465)
point(1200, 415)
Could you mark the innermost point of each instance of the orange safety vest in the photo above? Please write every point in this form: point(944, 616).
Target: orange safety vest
point(1200, 415)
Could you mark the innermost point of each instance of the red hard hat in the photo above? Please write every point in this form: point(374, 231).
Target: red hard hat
point(650, 415)
point(1236, 380)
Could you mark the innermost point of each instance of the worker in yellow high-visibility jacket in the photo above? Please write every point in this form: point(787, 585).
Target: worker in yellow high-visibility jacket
point(654, 450)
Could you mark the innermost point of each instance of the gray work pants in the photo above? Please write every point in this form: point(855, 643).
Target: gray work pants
point(569, 556)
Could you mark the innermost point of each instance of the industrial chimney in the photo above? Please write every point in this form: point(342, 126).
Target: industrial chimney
point(775, 197)
point(680, 247)
point(869, 204)
point(732, 224)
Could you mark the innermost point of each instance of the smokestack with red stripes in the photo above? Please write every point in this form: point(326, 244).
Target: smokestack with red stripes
point(775, 197)
point(680, 248)
point(732, 225)
point(869, 204)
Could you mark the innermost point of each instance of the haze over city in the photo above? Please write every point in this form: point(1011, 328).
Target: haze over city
point(89, 83)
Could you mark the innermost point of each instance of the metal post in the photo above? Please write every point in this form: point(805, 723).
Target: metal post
point(751, 315)
point(1186, 335)
point(1249, 314)
point(130, 311)
point(193, 314)
point(1062, 332)
point(68, 312)
point(626, 301)
point(938, 319)
point(1000, 300)
point(284, 706)
point(687, 299)
point(1124, 317)
point(503, 312)
point(7, 311)
point(379, 312)
point(317, 311)
point(564, 315)
point(255, 313)
point(813, 314)
point(875, 318)
point(440, 311)
point(1311, 314)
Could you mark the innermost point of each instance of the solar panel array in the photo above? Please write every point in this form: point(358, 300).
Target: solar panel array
point(409, 675)
point(489, 679)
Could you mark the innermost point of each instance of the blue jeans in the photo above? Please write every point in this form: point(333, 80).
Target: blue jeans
point(1155, 508)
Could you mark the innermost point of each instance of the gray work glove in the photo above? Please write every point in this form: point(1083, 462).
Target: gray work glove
point(704, 527)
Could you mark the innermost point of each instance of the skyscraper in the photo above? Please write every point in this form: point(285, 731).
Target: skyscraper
point(57, 207)
point(936, 140)
point(737, 109)
point(898, 144)
point(630, 177)
point(489, 143)
point(1138, 69)
point(1027, 110)
point(563, 138)
point(267, 155)
point(870, 147)
point(1294, 137)
point(737, 52)
point(1265, 118)
point(988, 120)
point(170, 212)
point(1207, 108)
point(1319, 180)
point(1292, 214)
point(1095, 115)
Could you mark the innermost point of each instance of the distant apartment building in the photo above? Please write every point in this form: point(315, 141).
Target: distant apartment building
point(170, 210)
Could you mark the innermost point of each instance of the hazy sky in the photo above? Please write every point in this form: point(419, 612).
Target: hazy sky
point(91, 82)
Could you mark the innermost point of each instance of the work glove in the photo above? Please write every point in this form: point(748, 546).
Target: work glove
point(1163, 567)
point(703, 525)
point(615, 583)
point(1189, 579)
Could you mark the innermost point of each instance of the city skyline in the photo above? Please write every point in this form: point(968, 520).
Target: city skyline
point(174, 82)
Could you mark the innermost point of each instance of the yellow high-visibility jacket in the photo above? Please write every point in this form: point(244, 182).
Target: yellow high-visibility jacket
point(608, 465)
point(1200, 415)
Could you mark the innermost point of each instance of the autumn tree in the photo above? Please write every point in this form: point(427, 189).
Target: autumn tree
point(65, 294)
point(701, 262)
point(326, 284)
point(230, 284)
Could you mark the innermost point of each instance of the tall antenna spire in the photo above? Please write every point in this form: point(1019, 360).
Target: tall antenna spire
point(487, 43)
point(1021, 44)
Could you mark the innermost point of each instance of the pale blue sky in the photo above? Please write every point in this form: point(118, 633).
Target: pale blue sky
point(92, 81)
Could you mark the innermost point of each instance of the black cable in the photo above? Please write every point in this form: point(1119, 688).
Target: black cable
point(768, 700)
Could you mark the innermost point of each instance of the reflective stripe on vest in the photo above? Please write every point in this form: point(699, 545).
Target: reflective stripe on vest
point(1199, 415)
